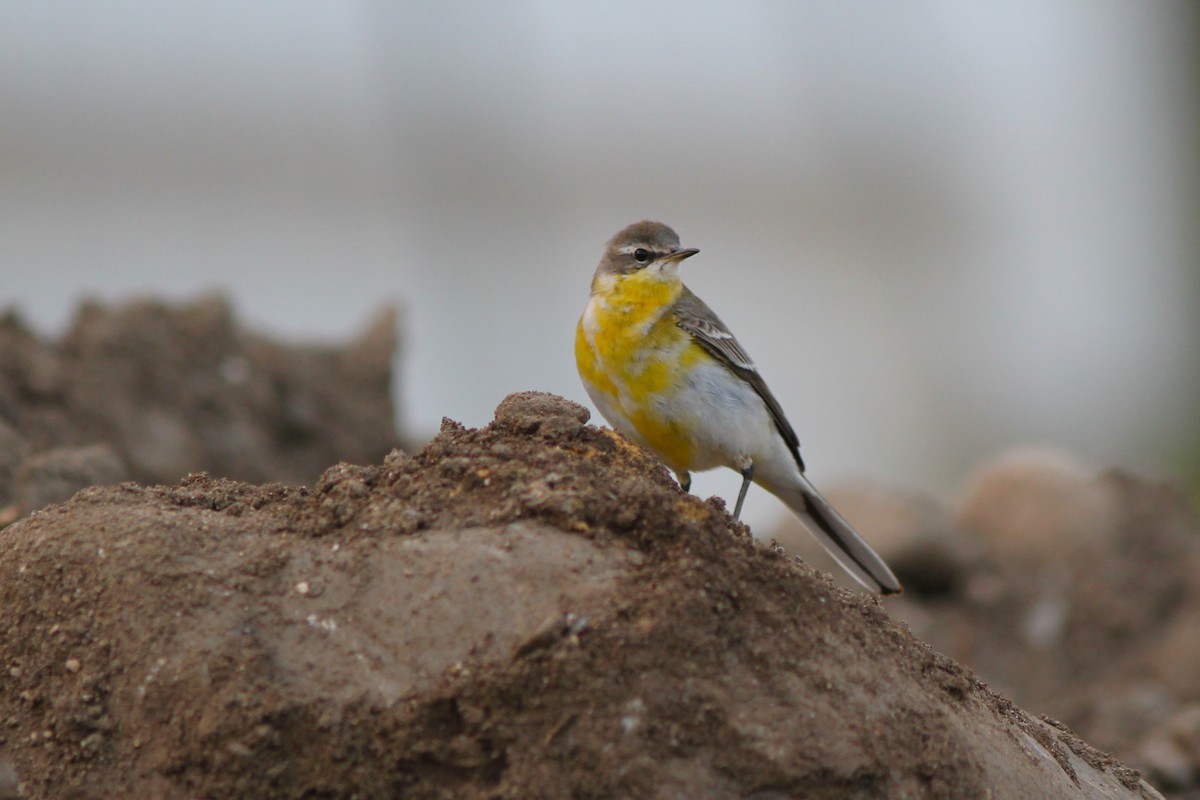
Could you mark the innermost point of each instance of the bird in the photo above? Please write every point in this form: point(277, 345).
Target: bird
point(666, 372)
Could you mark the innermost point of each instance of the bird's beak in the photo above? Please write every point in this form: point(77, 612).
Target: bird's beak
point(680, 255)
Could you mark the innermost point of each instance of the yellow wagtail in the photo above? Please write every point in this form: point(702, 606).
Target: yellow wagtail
point(666, 372)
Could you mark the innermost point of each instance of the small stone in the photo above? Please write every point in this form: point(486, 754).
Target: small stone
point(10, 783)
point(540, 412)
point(550, 631)
point(1039, 506)
point(239, 749)
point(303, 588)
point(73, 665)
point(1166, 762)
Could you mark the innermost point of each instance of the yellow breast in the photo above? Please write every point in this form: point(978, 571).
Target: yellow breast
point(633, 357)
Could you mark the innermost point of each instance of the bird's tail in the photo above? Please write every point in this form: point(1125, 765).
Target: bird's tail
point(838, 537)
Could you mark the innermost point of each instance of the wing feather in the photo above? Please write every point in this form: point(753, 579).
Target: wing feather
point(702, 323)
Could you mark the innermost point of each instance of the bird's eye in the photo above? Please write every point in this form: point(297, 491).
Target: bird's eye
point(641, 255)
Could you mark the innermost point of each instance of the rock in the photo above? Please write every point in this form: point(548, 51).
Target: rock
point(538, 412)
point(10, 785)
point(1039, 504)
point(1171, 754)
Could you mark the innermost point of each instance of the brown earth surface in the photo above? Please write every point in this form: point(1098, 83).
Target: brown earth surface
point(1072, 590)
point(528, 610)
point(533, 610)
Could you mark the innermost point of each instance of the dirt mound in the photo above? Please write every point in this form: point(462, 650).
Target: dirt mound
point(169, 390)
point(528, 610)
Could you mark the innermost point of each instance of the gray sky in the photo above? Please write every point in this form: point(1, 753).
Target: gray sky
point(941, 228)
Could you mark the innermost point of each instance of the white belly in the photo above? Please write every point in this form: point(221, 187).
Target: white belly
point(729, 422)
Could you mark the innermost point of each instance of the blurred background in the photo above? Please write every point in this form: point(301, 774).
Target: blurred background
point(941, 228)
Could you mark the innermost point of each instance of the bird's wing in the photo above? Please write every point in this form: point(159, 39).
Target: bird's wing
point(702, 323)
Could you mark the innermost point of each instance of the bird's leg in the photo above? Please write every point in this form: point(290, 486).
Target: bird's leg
point(685, 481)
point(747, 468)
